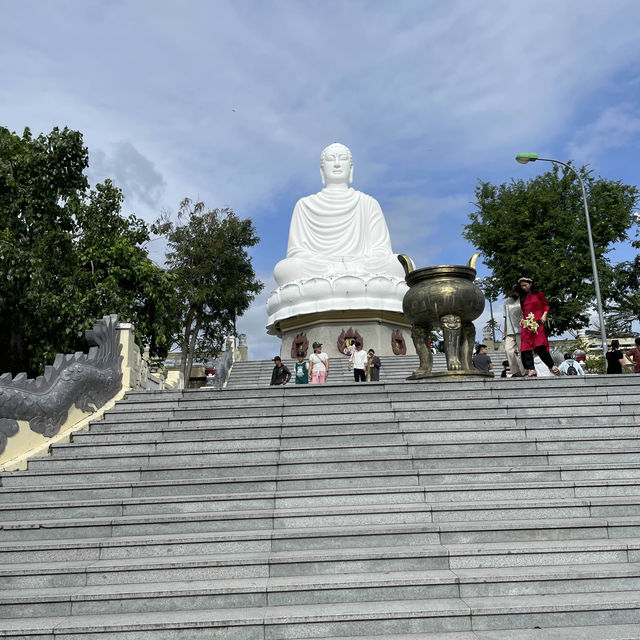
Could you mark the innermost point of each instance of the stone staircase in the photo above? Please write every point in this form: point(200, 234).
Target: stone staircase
point(450, 510)
point(257, 373)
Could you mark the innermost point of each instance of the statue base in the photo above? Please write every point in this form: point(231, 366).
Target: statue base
point(388, 333)
point(460, 373)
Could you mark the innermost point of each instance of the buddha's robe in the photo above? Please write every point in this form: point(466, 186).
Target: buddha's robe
point(337, 232)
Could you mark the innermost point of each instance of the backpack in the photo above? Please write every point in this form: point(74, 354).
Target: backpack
point(572, 371)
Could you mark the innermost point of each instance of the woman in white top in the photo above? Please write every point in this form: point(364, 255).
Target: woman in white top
point(318, 365)
point(512, 328)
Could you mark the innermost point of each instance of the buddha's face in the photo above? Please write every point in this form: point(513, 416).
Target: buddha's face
point(336, 166)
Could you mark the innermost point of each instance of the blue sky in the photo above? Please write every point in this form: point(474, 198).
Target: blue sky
point(231, 102)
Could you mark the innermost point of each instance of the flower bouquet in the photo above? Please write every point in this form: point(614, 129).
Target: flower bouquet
point(530, 323)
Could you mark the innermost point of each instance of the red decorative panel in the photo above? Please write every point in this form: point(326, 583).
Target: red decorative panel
point(347, 338)
point(300, 343)
point(398, 344)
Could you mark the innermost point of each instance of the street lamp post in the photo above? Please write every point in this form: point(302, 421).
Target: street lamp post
point(524, 158)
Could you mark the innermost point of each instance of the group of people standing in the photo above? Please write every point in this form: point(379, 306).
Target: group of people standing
point(525, 317)
point(365, 364)
point(525, 340)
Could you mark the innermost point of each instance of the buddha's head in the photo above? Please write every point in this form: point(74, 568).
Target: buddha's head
point(336, 164)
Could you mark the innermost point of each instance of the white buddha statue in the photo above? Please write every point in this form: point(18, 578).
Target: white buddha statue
point(339, 256)
point(338, 230)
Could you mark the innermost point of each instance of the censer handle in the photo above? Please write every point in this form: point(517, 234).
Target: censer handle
point(407, 263)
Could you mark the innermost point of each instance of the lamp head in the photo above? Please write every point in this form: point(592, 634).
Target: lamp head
point(523, 158)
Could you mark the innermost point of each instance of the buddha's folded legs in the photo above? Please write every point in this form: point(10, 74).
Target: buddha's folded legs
point(314, 265)
point(292, 269)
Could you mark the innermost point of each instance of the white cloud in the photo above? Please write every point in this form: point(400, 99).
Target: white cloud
point(239, 98)
point(617, 126)
point(134, 173)
point(231, 102)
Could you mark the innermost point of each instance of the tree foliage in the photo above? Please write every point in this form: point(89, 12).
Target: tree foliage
point(538, 228)
point(214, 274)
point(67, 256)
point(625, 293)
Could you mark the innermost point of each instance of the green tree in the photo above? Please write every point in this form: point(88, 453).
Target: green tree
point(67, 256)
point(625, 292)
point(114, 271)
point(617, 324)
point(215, 278)
point(537, 228)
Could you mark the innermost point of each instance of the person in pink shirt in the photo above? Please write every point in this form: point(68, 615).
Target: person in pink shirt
point(318, 365)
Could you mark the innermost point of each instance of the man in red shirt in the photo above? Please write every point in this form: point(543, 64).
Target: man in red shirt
point(634, 356)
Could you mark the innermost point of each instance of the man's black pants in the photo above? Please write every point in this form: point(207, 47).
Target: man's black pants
point(359, 375)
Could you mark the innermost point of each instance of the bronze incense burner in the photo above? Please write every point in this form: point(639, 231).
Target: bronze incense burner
point(444, 296)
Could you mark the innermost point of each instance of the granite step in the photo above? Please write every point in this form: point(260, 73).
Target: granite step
point(168, 430)
point(259, 529)
point(92, 566)
point(171, 469)
point(297, 590)
point(442, 429)
point(418, 419)
point(534, 505)
point(258, 515)
point(381, 394)
point(404, 408)
point(19, 491)
point(173, 441)
point(287, 622)
point(426, 387)
point(595, 632)
point(295, 401)
point(168, 467)
point(118, 455)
